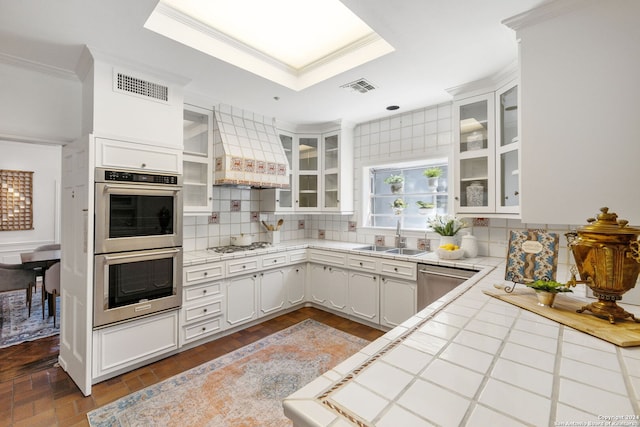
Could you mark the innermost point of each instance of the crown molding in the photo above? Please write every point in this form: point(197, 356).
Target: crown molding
point(544, 12)
point(39, 67)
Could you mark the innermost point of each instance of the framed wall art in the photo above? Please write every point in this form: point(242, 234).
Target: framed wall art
point(16, 200)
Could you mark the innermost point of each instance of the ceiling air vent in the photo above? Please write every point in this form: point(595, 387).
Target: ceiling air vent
point(360, 85)
point(142, 88)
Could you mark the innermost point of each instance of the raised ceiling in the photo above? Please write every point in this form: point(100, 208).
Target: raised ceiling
point(438, 45)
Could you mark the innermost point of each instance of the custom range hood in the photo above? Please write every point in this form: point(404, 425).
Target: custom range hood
point(247, 150)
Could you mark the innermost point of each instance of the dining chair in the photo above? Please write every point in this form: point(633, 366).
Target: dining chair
point(40, 270)
point(14, 277)
point(51, 286)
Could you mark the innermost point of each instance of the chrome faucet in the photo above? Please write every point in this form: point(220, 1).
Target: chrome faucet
point(401, 242)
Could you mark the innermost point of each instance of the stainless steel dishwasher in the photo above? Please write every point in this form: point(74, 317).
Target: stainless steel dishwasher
point(434, 281)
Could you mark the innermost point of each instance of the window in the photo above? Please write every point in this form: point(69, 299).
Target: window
point(415, 187)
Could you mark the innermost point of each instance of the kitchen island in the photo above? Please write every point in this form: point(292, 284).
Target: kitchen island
point(470, 359)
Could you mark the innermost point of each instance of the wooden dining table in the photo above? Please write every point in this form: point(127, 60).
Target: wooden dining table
point(43, 260)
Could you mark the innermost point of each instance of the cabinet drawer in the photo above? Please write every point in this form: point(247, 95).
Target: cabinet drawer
point(326, 257)
point(242, 265)
point(199, 273)
point(406, 270)
point(274, 260)
point(201, 311)
point(194, 293)
point(362, 263)
point(297, 256)
point(202, 329)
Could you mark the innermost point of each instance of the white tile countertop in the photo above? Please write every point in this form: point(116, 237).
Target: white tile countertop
point(472, 360)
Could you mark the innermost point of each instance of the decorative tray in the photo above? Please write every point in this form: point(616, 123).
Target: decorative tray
point(624, 333)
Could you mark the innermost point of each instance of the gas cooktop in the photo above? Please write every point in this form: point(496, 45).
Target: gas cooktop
point(231, 248)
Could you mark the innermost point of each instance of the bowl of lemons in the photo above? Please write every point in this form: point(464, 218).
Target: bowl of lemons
point(449, 251)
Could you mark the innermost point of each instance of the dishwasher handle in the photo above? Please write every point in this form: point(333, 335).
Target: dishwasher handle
point(435, 273)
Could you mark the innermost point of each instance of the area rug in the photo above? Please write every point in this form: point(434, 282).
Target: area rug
point(16, 324)
point(242, 388)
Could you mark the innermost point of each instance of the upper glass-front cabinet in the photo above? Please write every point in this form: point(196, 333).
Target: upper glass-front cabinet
point(197, 159)
point(508, 150)
point(475, 154)
point(330, 172)
point(488, 152)
point(308, 171)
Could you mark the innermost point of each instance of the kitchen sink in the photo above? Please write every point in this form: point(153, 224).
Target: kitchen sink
point(374, 248)
point(405, 251)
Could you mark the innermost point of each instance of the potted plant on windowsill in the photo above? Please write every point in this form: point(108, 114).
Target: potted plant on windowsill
point(432, 175)
point(546, 291)
point(426, 208)
point(398, 206)
point(396, 182)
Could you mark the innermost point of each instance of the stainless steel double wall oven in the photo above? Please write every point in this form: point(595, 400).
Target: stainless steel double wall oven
point(138, 244)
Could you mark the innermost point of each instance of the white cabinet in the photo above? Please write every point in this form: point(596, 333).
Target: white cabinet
point(295, 284)
point(399, 300)
point(273, 291)
point(487, 152)
point(321, 167)
point(111, 153)
point(337, 289)
point(197, 159)
point(121, 347)
point(364, 296)
point(241, 292)
point(319, 276)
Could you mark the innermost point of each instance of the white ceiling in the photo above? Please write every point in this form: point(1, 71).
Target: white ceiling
point(439, 44)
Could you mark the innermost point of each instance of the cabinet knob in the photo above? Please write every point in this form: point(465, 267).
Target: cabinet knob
point(360, 264)
point(204, 311)
point(395, 269)
point(275, 260)
point(244, 266)
point(297, 270)
point(204, 291)
point(515, 193)
point(205, 273)
point(144, 165)
point(374, 278)
point(210, 198)
point(204, 329)
point(456, 198)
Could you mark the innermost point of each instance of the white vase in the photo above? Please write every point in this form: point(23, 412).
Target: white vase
point(470, 246)
point(432, 183)
point(447, 239)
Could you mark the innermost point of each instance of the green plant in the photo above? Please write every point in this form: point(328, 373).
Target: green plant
point(394, 179)
point(399, 204)
point(432, 172)
point(549, 286)
point(446, 225)
point(427, 205)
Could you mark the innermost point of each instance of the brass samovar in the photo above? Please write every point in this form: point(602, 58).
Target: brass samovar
point(607, 255)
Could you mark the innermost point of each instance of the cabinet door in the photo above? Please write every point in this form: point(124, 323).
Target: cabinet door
point(241, 299)
point(197, 159)
point(129, 155)
point(272, 291)
point(330, 171)
point(507, 150)
point(320, 277)
point(337, 289)
point(398, 301)
point(295, 282)
point(363, 295)
point(308, 170)
point(474, 147)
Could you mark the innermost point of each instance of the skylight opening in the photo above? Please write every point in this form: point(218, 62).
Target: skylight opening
point(292, 42)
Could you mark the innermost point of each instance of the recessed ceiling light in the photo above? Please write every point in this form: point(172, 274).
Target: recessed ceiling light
point(392, 107)
point(291, 42)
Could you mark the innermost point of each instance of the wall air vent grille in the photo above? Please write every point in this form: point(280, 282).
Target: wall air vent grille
point(360, 86)
point(140, 87)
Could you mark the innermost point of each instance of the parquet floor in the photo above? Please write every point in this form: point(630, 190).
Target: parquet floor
point(35, 392)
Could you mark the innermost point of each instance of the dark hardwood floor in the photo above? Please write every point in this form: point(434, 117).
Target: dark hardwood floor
point(34, 391)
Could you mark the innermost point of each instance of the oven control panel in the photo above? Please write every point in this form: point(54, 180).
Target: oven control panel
point(145, 178)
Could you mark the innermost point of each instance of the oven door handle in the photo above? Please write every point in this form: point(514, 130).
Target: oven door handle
point(108, 257)
point(139, 188)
